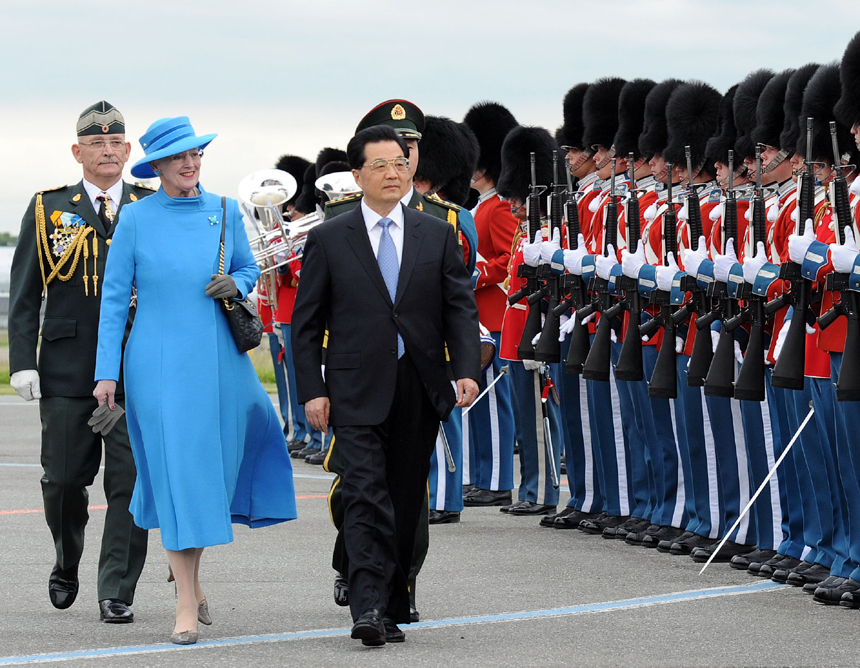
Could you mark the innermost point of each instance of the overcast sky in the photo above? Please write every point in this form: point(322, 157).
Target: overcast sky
point(277, 77)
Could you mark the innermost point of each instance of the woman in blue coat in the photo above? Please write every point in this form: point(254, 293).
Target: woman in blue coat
point(207, 442)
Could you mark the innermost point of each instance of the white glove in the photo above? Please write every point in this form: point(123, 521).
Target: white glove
point(563, 330)
point(26, 384)
point(780, 340)
point(665, 275)
point(548, 248)
point(799, 244)
point(573, 258)
point(752, 265)
point(531, 365)
point(531, 251)
point(739, 356)
point(603, 264)
point(715, 340)
point(589, 318)
point(679, 344)
point(613, 336)
point(693, 258)
point(843, 255)
point(632, 263)
point(276, 328)
point(723, 263)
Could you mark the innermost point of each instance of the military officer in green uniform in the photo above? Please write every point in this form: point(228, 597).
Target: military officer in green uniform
point(60, 260)
point(408, 120)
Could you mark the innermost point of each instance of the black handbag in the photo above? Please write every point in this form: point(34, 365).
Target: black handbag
point(245, 323)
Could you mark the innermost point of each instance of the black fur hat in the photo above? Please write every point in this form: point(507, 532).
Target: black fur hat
point(334, 166)
point(328, 155)
point(295, 166)
point(791, 107)
point(819, 99)
point(600, 112)
point(692, 116)
point(490, 122)
point(631, 116)
point(655, 134)
point(770, 111)
point(306, 201)
point(516, 175)
point(448, 155)
point(746, 102)
point(848, 108)
point(723, 140)
point(572, 128)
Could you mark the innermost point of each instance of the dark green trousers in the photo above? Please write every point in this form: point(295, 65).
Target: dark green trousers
point(71, 456)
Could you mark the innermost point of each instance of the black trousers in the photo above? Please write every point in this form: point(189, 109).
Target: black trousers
point(71, 455)
point(385, 477)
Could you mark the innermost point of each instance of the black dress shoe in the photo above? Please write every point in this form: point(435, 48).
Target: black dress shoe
point(637, 537)
point(729, 549)
point(507, 509)
point(771, 566)
point(444, 517)
point(341, 591)
point(687, 545)
point(787, 567)
point(598, 524)
point(369, 628)
point(633, 524)
point(822, 591)
point(755, 566)
point(742, 562)
point(318, 459)
point(392, 631)
point(295, 445)
point(572, 520)
point(63, 586)
point(487, 497)
point(815, 573)
point(653, 538)
point(114, 611)
point(529, 508)
point(548, 520)
point(850, 594)
point(666, 545)
point(413, 614)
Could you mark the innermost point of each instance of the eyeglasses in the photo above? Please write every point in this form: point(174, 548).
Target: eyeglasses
point(379, 166)
point(193, 153)
point(99, 144)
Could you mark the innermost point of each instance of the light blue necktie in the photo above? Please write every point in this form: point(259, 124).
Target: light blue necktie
point(390, 268)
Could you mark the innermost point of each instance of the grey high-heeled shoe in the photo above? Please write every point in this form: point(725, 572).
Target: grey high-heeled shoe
point(203, 613)
point(184, 638)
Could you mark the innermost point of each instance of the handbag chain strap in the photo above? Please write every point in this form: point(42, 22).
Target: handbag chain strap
point(227, 303)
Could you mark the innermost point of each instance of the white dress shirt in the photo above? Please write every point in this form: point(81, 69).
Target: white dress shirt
point(374, 231)
point(114, 194)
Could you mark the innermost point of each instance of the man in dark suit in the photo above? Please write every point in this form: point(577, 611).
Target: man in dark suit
point(390, 286)
point(61, 254)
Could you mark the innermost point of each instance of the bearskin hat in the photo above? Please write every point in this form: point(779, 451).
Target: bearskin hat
point(631, 116)
point(334, 166)
point(692, 116)
point(570, 133)
point(745, 105)
point(655, 134)
point(307, 198)
point(516, 176)
point(770, 111)
point(848, 108)
point(600, 112)
point(791, 107)
point(819, 99)
point(328, 155)
point(723, 140)
point(490, 122)
point(449, 153)
point(295, 166)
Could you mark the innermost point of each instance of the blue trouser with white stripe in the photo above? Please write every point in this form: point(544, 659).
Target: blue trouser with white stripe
point(632, 398)
point(490, 432)
point(582, 477)
point(848, 458)
point(281, 384)
point(301, 429)
point(535, 473)
point(446, 487)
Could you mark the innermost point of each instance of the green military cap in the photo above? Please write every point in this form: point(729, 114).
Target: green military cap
point(406, 118)
point(102, 118)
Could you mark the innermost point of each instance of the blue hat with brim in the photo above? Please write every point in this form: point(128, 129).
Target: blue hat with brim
point(165, 137)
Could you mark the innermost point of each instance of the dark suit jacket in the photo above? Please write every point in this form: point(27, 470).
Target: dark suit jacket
point(67, 358)
point(341, 289)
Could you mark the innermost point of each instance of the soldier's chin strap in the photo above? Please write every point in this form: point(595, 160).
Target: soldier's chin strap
point(773, 164)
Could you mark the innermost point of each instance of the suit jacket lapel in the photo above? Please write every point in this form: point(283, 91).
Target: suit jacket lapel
point(412, 236)
point(81, 205)
point(360, 243)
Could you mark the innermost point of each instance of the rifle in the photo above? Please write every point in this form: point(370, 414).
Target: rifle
point(788, 372)
point(848, 383)
point(548, 348)
point(629, 366)
point(598, 362)
point(664, 379)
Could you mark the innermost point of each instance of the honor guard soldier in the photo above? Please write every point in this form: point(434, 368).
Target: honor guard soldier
point(491, 426)
point(60, 260)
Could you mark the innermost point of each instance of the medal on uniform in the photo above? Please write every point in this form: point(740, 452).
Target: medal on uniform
point(66, 227)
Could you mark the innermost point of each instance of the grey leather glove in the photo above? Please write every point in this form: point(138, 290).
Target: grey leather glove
point(104, 419)
point(222, 287)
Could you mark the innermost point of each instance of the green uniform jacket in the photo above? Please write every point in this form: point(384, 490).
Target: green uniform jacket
point(67, 358)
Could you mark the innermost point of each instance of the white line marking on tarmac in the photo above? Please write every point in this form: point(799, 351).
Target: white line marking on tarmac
point(609, 606)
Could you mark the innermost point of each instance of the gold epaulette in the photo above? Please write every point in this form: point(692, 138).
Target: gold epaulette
point(344, 199)
point(48, 190)
point(137, 184)
point(438, 200)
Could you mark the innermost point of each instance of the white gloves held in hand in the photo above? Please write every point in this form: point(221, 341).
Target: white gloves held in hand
point(26, 384)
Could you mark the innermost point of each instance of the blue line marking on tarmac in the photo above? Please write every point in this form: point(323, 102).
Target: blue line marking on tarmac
point(607, 606)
